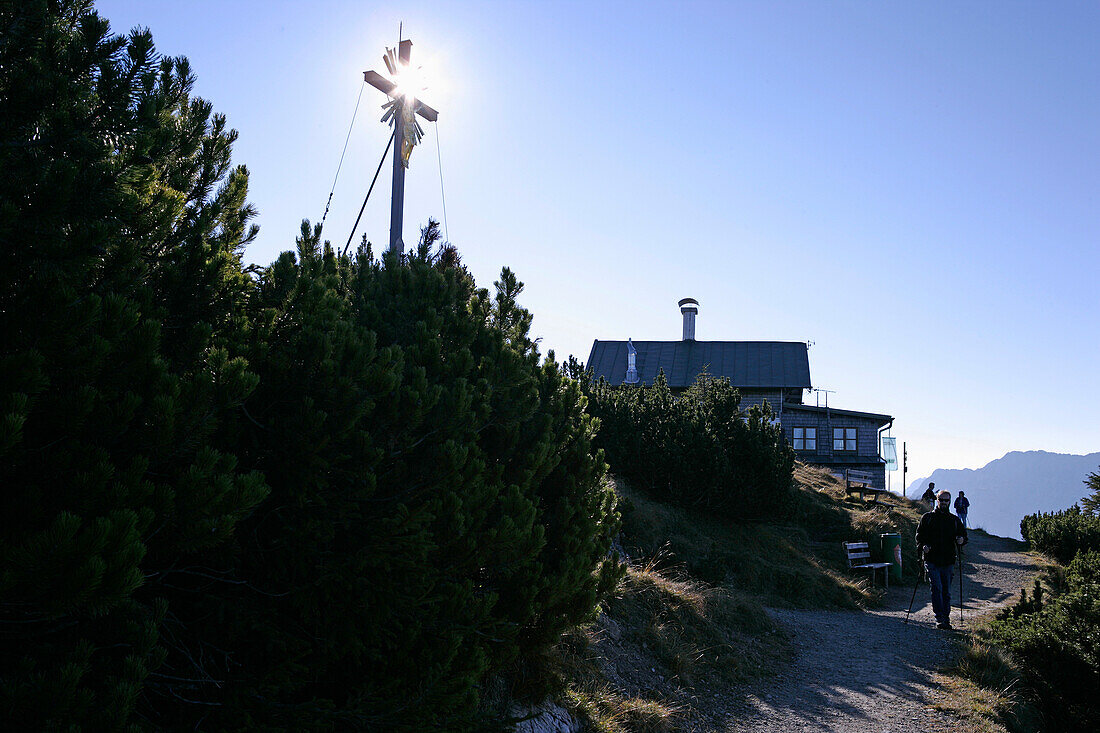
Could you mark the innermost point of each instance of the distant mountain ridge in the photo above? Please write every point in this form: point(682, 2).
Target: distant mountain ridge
point(1003, 491)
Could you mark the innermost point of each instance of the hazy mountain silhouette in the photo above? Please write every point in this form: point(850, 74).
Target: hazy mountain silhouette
point(1022, 482)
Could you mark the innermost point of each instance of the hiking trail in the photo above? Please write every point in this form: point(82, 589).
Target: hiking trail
point(864, 671)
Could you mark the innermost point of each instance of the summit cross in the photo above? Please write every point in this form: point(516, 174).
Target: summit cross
point(402, 110)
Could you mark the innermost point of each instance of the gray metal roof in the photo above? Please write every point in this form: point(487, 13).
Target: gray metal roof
point(746, 363)
point(880, 418)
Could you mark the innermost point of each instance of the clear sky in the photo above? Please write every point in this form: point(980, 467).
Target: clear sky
point(914, 188)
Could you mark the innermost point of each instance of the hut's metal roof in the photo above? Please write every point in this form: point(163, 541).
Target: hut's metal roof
point(759, 364)
point(878, 417)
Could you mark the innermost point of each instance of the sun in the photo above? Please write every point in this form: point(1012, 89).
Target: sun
point(409, 82)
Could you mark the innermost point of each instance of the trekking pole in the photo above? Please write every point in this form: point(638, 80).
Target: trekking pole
point(960, 587)
point(920, 561)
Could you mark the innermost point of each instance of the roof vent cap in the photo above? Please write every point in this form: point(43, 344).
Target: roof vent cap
point(689, 307)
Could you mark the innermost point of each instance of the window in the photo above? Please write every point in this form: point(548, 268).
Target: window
point(805, 438)
point(844, 439)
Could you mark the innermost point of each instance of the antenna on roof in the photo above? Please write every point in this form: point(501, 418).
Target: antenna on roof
point(827, 393)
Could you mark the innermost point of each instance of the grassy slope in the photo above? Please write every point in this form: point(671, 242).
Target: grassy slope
point(797, 562)
point(688, 619)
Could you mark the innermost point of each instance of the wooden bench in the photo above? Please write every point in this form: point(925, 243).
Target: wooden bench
point(859, 558)
point(859, 482)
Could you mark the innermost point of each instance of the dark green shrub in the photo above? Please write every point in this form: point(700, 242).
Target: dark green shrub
point(697, 449)
point(121, 223)
point(437, 509)
point(1057, 642)
point(1062, 534)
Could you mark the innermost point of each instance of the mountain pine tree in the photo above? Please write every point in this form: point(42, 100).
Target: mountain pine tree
point(1091, 502)
point(437, 509)
point(698, 448)
point(121, 224)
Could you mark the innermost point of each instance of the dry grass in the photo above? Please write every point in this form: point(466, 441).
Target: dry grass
point(695, 630)
point(985, 687)
point(609, 712)
point(665, 637)
point(819, 480)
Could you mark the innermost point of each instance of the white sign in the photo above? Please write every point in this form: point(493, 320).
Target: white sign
point(890, 453)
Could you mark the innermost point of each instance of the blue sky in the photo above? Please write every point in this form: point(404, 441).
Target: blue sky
point(912, 187)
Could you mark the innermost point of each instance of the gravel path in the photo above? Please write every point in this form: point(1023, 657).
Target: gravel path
point(861, 671)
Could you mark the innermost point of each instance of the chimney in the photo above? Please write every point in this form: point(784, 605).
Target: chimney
point(689, 307)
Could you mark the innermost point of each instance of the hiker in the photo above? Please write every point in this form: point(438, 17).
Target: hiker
point(962, 506)
point(929, 495)
point(938, 533)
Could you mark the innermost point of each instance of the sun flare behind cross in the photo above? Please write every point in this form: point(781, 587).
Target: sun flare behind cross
point(402, 107)
point(403, 86)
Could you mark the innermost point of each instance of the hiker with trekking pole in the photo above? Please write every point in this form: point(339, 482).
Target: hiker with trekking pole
point(940, 535)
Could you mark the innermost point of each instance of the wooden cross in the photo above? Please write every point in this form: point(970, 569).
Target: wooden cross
point(402, 108)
